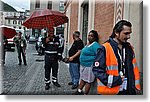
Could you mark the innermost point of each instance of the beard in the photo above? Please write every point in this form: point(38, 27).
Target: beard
point(122, 41)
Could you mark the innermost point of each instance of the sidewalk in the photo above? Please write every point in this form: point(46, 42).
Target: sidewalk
point(32, 81)
point(29, 80)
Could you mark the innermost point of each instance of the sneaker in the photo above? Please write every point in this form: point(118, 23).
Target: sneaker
point(47, 86)
point(56, 84)
point(78, 93)
point(74, 86)
point(70, 83)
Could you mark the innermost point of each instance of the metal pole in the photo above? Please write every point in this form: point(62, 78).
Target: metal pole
point(66, 51)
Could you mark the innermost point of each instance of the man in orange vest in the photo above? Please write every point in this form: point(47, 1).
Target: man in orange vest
point(115, 65)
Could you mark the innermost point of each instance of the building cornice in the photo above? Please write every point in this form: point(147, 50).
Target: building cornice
point(15, 18)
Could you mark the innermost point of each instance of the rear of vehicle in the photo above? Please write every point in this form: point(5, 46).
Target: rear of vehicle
point(10, 45)
point(32, 39)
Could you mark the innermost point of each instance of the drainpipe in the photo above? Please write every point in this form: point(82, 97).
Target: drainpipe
point(66, 50)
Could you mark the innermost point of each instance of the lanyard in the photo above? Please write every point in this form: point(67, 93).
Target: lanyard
point(122, 59)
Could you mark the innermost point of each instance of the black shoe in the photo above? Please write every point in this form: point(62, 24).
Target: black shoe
point(70, 83)
point(74, 86)
point(47, 86)
point(78, 93)
point(25, 64)
point(56, 84)
point(19, 64)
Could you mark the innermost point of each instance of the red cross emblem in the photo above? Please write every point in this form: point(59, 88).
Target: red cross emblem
point(96, 64)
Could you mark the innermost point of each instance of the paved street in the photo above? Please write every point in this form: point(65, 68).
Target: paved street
point(29, 79)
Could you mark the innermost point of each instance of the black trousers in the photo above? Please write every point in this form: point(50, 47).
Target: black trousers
point(126, 92)
point(51, 64)
point(123, 93)
point(4, 54)
point(21, 52)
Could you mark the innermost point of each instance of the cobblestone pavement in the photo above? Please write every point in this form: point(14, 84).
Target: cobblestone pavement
point(27, 80)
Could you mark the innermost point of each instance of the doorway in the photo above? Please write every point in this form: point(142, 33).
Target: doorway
point(85, 7)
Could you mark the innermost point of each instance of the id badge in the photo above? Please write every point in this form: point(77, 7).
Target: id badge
point(21, 44)
point(124, 85)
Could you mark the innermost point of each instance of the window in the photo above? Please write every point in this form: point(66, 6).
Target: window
point(61, 3)
point(14, 22)
point(61, 6)
point(49, 6)
point(37, 4)
point(14, 14)
point(19, 22)
point(9, 21)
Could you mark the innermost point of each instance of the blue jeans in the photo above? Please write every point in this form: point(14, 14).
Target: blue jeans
point(74, 72)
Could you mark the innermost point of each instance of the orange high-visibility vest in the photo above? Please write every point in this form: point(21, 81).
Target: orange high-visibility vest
point(112, 70)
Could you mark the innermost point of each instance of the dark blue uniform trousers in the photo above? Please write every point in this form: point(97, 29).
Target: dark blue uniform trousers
point(51, 63)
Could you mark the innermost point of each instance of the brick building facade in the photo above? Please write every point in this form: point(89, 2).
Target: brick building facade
point(101, 15)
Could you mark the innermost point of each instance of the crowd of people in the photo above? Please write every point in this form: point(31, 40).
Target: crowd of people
point(111, 64)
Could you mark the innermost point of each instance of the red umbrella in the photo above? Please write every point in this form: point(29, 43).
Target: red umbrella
point(9, 32)
point(45, 18)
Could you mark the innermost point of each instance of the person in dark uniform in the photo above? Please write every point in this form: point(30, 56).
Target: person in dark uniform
point(52, 56)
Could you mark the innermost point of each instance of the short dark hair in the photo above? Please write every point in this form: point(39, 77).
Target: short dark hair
point(119, 27)
point(76, 33)
point(95, 34)
point(50, 31)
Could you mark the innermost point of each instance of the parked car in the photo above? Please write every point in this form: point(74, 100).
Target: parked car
point(11, 44)
point(32, 39)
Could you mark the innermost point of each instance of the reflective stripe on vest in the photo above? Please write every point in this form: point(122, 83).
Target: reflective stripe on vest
point(136, 74)
point(104, 90)
point(51, 52)
point(112, 70)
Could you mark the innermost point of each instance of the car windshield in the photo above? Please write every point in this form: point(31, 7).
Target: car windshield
point(20, 30)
